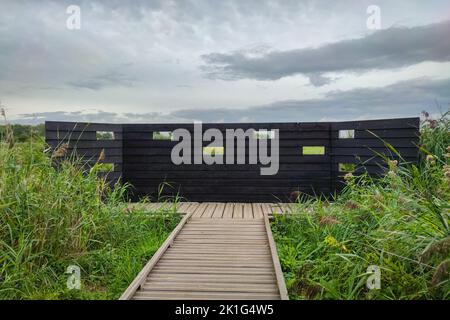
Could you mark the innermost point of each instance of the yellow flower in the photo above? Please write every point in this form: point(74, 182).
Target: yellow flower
point(348, 176)
point(392, 164)
point(332, 242)
point(391, 174)
point(431, 159)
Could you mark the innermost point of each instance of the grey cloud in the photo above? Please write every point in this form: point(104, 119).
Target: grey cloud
point(111, 78)
point(402, 99)
point(384, 49)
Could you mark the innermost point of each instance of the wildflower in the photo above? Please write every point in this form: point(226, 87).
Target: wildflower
point(392, 174)
point(432, 123)
point(350, 205)
point(447, 155)
point(441, 274)
point(332, 242)
point(61, 151)
point(448, 149)
point(392, 164)
point(440, 248)
point(102, 156)
point(328, 221)
point(431, 159)
point(378, 197)
point(294, 196)
point(348, 176)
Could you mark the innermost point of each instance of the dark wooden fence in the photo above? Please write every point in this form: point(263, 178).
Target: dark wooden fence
point(146, 163)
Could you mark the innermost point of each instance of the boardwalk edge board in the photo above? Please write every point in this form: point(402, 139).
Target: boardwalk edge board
point(142, 276)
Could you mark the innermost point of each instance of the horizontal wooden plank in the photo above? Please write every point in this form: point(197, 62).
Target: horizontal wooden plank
point(283, 135)
point(215, 278)
point(183, 295)
point(77, 135)
point(232, 182)
point(215, 270)
point(227, 189)
point(157, 151)
point(370, 143)
point(377, 124)
point(266, 265)
point(382, 133)
point(89, 144)
point(129, 143)
point(209, 287)
point(406, 152)
point(196, 176)
point(88, 152)
point(224, 126)
point(81, 126)
point(246, 198)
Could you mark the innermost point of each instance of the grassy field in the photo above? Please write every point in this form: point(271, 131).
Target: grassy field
point(52, 218)
point(399, 223)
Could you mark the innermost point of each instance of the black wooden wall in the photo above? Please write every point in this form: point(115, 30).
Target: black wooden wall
point(146, 163)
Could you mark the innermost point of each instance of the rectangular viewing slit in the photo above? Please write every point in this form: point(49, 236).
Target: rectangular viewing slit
point(313, 150)
point(263, 134)
point(105, 135)
point(211, 151)
point(162, 135)
point(347, 134)
point(347, 167)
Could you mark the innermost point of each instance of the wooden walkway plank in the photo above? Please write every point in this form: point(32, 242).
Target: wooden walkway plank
point(257, 211)
point(238, 212)
point(199, 210)
point(228, 212)
point(217, 251)
point(219, 210)
point(141, 277)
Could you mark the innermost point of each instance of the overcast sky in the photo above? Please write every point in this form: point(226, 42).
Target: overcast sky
point(215, 61)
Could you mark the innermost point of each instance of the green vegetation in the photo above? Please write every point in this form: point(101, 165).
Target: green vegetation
point(316, 150)
point(399, 223)
point(162, 135)
point(54, 217)
point(347, 167)
point(105, 135)
point(212, 151)
point(21, 132)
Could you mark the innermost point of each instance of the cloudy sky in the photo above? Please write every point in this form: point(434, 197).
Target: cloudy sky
point(216, 61)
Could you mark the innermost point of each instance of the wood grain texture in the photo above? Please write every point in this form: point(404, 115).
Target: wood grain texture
point(146, 163)
point(214, 257)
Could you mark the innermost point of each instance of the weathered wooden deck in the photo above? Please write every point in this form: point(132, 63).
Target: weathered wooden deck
point(218, 251)
point(237, 210)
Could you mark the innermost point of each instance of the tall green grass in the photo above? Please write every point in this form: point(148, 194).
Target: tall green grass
point(399, 223)
point(53, 217)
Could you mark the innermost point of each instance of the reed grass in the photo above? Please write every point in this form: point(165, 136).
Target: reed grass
point(52, 217)
point(399, 223)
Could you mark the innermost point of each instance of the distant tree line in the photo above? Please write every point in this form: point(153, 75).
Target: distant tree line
point(23, 133)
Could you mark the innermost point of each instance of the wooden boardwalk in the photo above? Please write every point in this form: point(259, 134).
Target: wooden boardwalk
point(218, 251)
point(236, 210)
